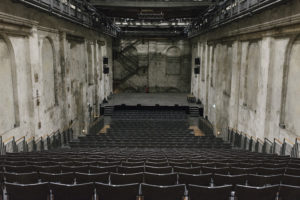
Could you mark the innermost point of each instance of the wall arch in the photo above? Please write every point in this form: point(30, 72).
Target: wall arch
point(289, 115)
point(49, 72)
point(173, 56)
point(8, 86)
point(251, 74)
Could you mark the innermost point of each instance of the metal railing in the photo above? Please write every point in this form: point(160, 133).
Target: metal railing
point(245, 142)
point(76, 11)
point(227, 11)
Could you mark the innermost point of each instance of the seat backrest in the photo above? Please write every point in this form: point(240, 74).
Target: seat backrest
point(293, 171)
point(22, 178)
point(180, 164)
point(220, 179)
point(270, 171)
point(187, 170)
point(160, 179)
point(262, 180)
point(114, 192)
point(249, 193)
point(197, 192)
point(158, 170)
point(88, 178)
point(82, 169)
point(72, 192)
point(39, 191)
point(49, 169)
point(118, 179)
point(157, 164)
point(20, 169)
point(132, 164)
point(196, 179)
point(288, 192)
point(159, 192)
point(131, 170)
point(95, 169)
point(65, 178)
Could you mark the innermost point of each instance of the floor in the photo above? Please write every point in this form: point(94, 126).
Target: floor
point(150, 99)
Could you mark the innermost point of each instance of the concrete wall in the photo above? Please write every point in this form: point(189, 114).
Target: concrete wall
point(164, 65)
point(50, 71)
point(250, 73)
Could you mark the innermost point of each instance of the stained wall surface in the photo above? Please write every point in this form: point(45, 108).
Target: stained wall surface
point(250, 73)
point(51, 71)
point(162, 65)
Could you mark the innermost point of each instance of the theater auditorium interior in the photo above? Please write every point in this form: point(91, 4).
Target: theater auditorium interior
point(149, 100)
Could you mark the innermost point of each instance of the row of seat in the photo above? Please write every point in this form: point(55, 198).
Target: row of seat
point(152, 169)
point(151, 178)
point(87, 191)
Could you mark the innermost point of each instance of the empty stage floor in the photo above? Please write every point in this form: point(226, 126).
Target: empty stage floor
point(150, 99)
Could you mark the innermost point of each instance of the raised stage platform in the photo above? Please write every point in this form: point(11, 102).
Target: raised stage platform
point(151, 99)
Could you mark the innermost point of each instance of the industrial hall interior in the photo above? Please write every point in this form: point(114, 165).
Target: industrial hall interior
point(149, 99)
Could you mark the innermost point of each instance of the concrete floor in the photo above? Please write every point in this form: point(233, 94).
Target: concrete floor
point(150, 99)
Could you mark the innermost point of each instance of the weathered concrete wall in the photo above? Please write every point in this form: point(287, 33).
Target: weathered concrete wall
point(164, 65)
point(250, 74)
point(50, 72)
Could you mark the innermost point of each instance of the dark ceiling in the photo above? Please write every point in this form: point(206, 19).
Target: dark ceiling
point(152, 11)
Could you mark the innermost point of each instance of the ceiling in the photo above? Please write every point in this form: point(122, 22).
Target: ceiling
point(150, 17)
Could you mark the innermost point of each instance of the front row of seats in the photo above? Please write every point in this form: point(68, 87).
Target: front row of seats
point(41, 191)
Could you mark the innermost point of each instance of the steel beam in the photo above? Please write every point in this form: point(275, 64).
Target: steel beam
point(150, 4)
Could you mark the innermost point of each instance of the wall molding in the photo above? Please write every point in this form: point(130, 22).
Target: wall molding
point(14, 25)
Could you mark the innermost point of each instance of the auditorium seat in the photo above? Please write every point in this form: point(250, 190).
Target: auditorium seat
point(293, 171)
point(159, 170)
point(207, 170)
point(221, 179)
point(65, 178)
point(160, 179)
point(82, 169)
point(197, 192)
point(95, 169)
point(187, 170)
point(72, 192)
point(157, 164)
point(291, 180)
point(131, 170)
point(132, 164)
point(158, 192)
point(39, 191)
point(88, 178)
point(22, 178)
point(115, 192)
point(19, 169)
point(289, 192)
point(195, 179)
point(262, 180)
point(250, 193)
point(119, 179)
point(49, 169)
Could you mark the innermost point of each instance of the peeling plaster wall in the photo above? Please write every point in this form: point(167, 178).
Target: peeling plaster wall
point(164, 65)
point(250, 74)
point(51, 71)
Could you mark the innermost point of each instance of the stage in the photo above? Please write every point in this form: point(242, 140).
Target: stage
point(151, 99)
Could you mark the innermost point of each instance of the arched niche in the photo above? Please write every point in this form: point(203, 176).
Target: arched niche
point(173, 62)
point(290, 109)
point(8, 86)
point(251, 74)
point(49, 73)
